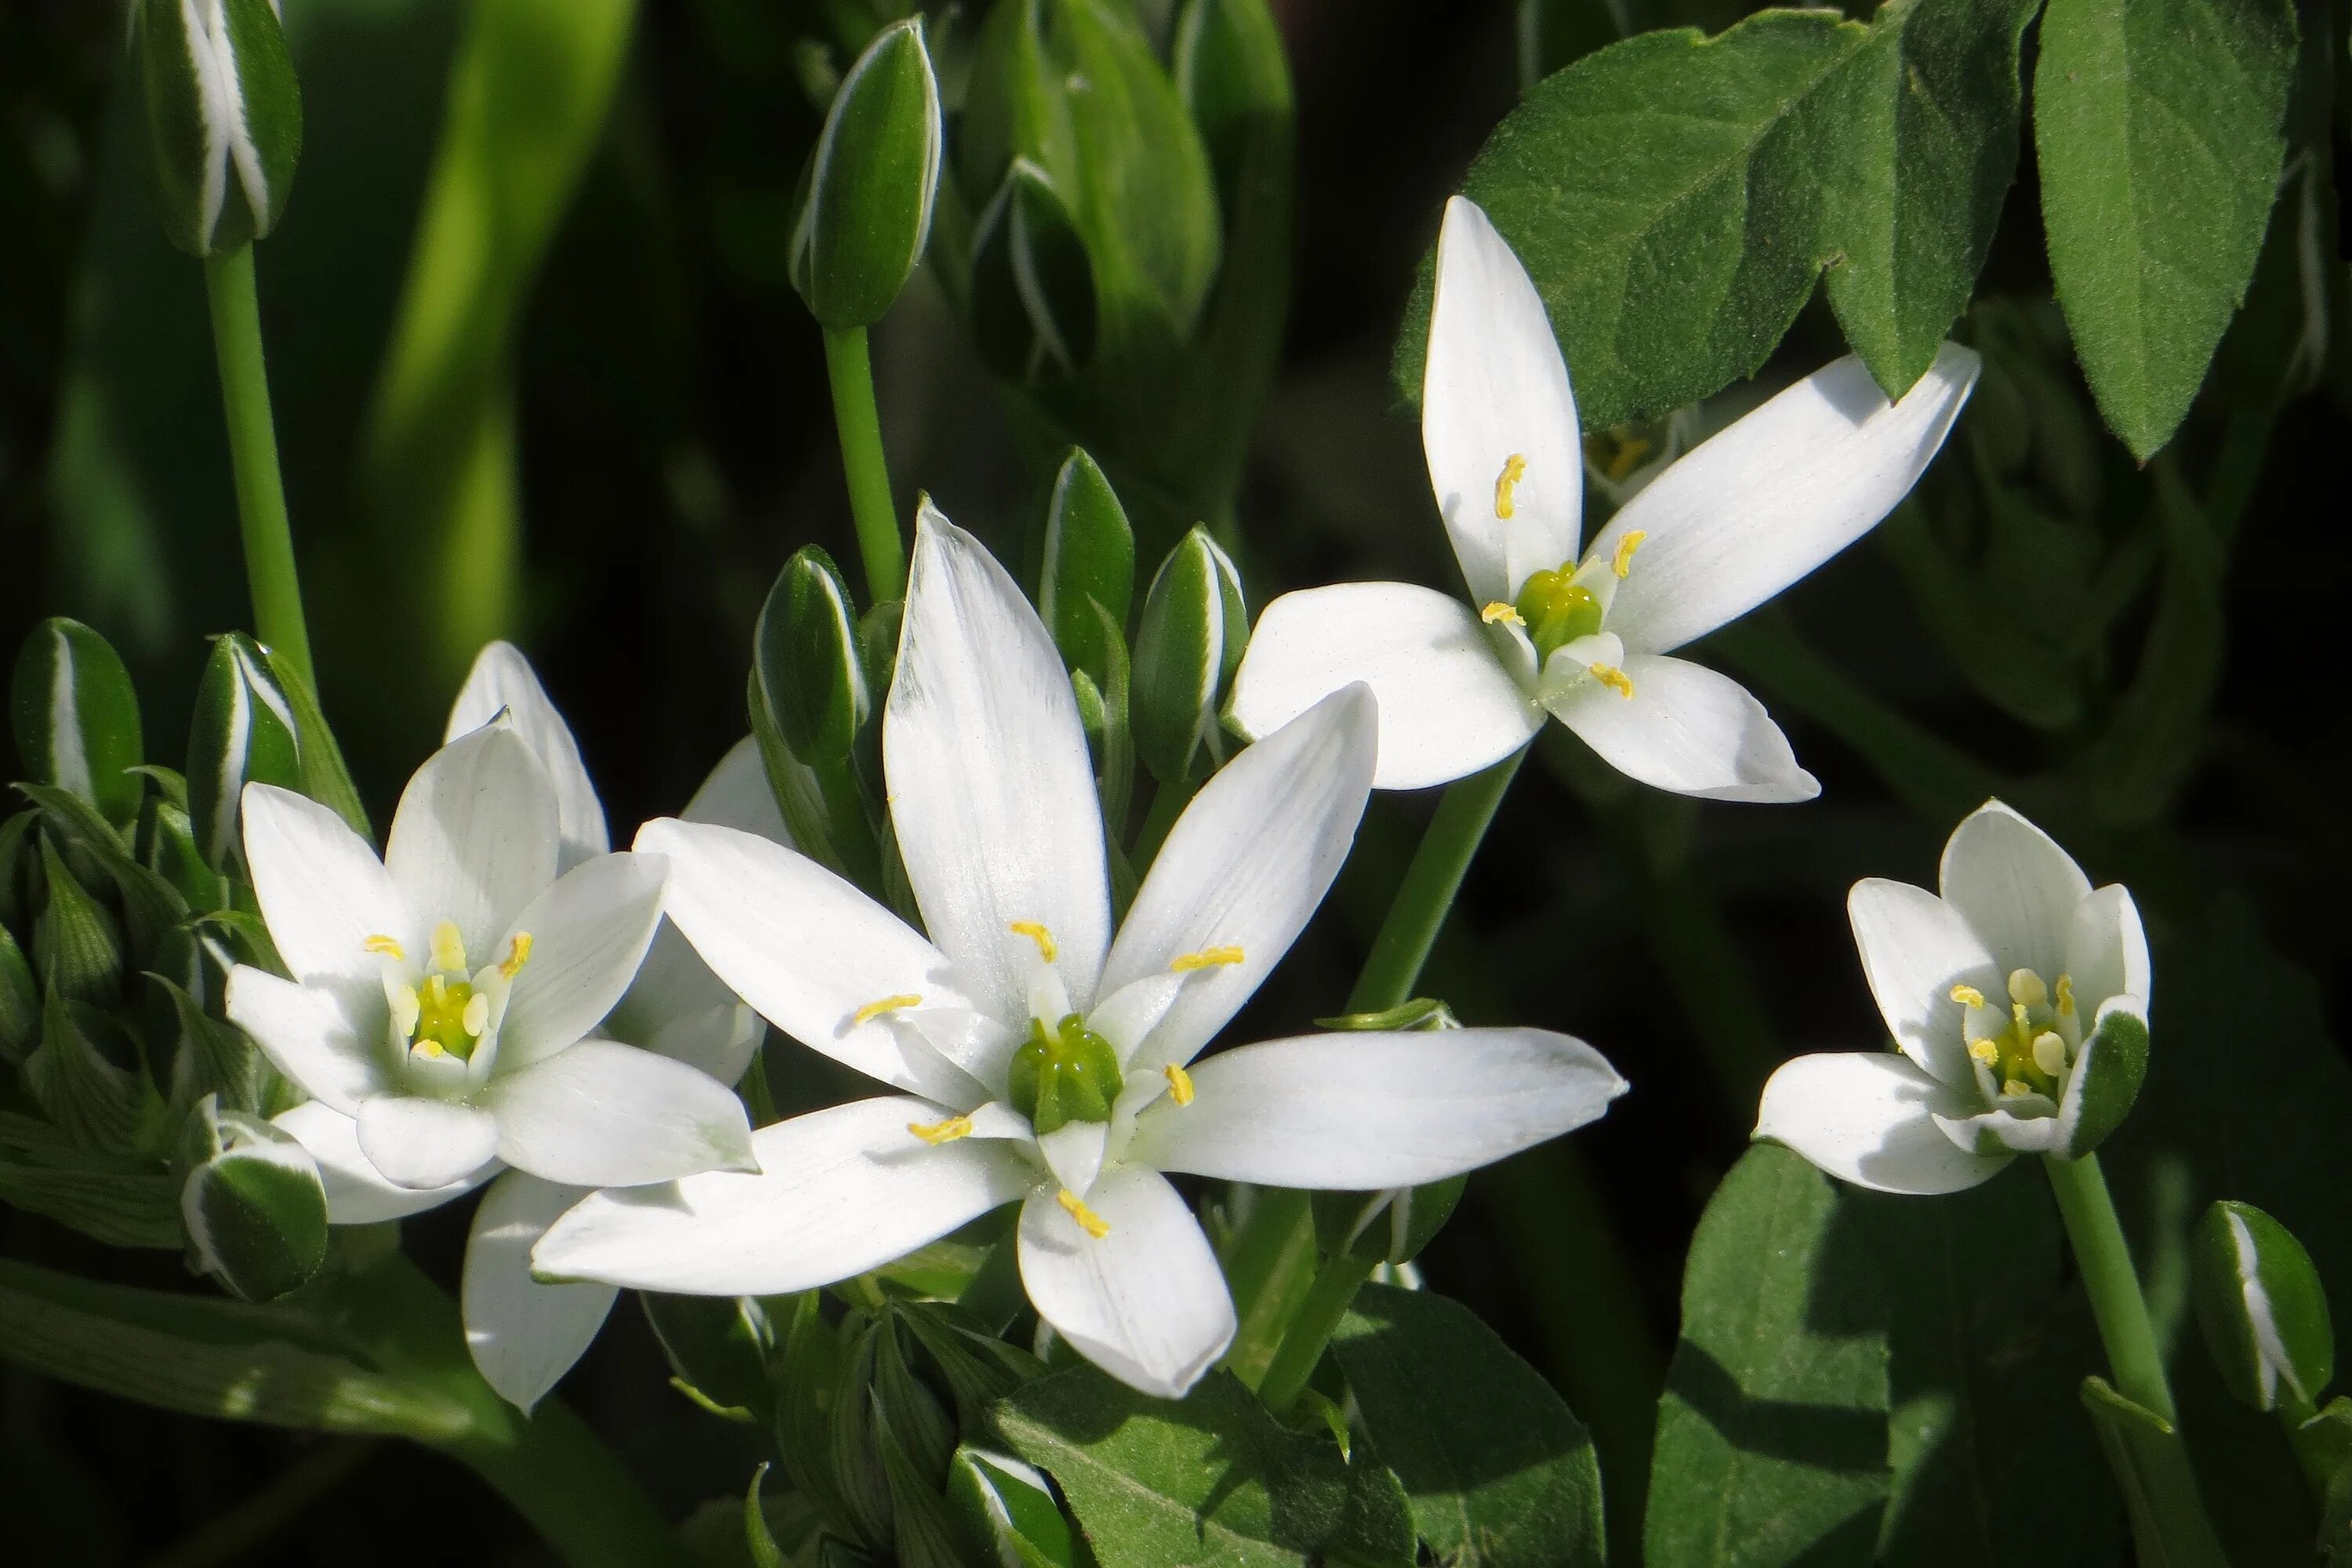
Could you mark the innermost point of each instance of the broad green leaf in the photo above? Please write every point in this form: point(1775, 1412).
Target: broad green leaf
point(1994, 1462)
point(2157, 128)
point(206, 1357)
point(112, 1201)
point(1675, 196)
point(1773, 1437)
point(1211, 1478)
point(1499, 1473)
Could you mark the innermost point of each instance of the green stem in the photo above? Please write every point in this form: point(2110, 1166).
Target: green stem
point(2105, 1259)
point(1268, 1262)
point(1427, 895)
point(2318, 1449)
point(253, 459)
point(849, 366)
point(1168, 803)
point(1310, 1330)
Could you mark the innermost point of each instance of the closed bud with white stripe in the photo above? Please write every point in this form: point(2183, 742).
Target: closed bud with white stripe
point(77, 717)
point(224, 118)
point(866, 213)
point(2262, 1308)
point(253, 1203)
point(243, 731)
point(1187, 647)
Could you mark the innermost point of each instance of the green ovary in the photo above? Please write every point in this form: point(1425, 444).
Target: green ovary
point(441, 1004)
point(1068, 1073)
point(1556, 610)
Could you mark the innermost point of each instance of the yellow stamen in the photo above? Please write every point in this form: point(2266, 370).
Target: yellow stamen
point(430, 1049)
point(1984, 1051)
point(449, 947)
point(385, 945)
point(2026, 989)
point(1180, 1084)
point(2065, 995)
point(1502, 610)
point(2016, 1087)
point(517, 954)
point(875, 1009)
point(1968, 996)
point(1093, 1223)
point(477, 1017)
point(1614, 678)
point(1514, 469)
point(937, 1132)
point(1621, 563)
point(1207, 958)
point(1038, 935)
point(2050, 1053)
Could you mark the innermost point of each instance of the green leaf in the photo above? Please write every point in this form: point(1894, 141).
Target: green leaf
point(2159, 128)
point(93, 1101)
point(206, 1357)
point(757, 1537)
point(1773, 1437)
point(76, 946)
point(1002, 1510)
point(118, 1203)
point(77, 717)
point(20, 1001)
point(1499, 1473)
point(871, 182)
point(1675, 196)
point(2145, 1454)
point(1210, 1477)
point(716, 1345)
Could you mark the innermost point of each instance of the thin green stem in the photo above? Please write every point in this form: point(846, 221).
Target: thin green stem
point(1310, 1330)
point(1269, 1261)
point(1168, 803)
point(2105, 1259)
point(253, 459)
point(2318, 1449)
point(1427, 895)
point(849, 366)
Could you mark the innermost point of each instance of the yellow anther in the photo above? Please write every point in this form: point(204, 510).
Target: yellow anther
point(1093, 1223)
point(2050, 1053)
point(2016, 1087)
point(1038, 935)
point(448, 948)
point(429, 1049)
point(2026, 989)
point(1984, 1051)
point(385, 945)
point(875, 1009)
point(1621, 563)
point(1207, 958)
point(1614, 678)
point(1514, 469)
point(477, 1017)
point(1180, 1084)
point(936, 1132)
point(1502, 610)
point(2064, 995)
point(1968, 996)
point(517, 954)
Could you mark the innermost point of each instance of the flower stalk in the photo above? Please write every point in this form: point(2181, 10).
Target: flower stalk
point(849, 369)
point(253, 458)
point(1427, 895)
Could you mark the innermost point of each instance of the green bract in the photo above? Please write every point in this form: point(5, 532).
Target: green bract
point(77, 717)
point(254, 1207)
point(2263, 1306)
point(1033, 289)
point(867, 211)
point(243, 731)
point(1190, 641)
point(805, 659)
point(224, 118)
point(1089, 561)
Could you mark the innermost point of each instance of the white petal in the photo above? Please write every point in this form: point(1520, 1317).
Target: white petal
point(305, 1038)
point(720, 1041)
point(842, 1191)
point(608, 1115)
point(425, 1142)
point(1246, 868)
point(1495, 388)
point(1689, 730)
point(1074, 1153)
point(1145, 1301)
point(1914, 949)
point(736, 794)
point(524, 1335)
point(475, 838)
point(2106, 949)
point(322, 894)
point(1360, 1111)
point(673, 982)
point(805, 947)
point(357, 1192)
point(992, 794)
point(503, 681)
point(588, 934)
point(1448, 706)
point(2015, 885)
point(1869, 1117)
point(1764, 502)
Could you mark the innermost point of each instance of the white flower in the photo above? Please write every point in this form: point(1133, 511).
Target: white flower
point(1586, 639)
point(441, 1012)
point(1041, 1059)
point(2018, 1000)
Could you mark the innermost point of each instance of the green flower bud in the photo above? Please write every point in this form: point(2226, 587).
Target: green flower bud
point(2262, 1308)
point(1033, 288)
point(224, 118)
point(717, 1348)
point(77, 717)
point(866, 212)
point(76, 941)
point(1234, 80)
point(20, 1001)
point(255, 1209)
point(806, 660)
point(1188, 644)
point(1385, 1227)
point(1003, 1510)
point(243, 731)
point(1089, 561)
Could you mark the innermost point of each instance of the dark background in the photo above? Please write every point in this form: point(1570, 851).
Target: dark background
point(676, 445)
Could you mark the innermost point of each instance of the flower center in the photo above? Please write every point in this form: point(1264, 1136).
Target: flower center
point(2032, 1046)
point(1563, 606)
point(1558, 609)
point(1063, 1072)
point(448, 1011)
